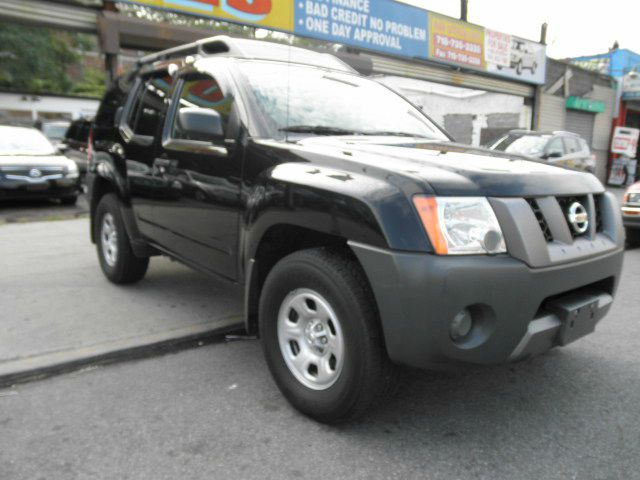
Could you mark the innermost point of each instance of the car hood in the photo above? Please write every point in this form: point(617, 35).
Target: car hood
point(455, 169)
point(35, 160)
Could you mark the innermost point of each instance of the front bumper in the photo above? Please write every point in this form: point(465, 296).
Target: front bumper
point(46, 188)
point(515, 305)
point(631, 216)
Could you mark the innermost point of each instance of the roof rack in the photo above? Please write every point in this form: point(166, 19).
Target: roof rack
point(206, 46)
point(248, 48)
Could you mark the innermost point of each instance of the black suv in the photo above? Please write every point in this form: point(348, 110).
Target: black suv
point(364, 238)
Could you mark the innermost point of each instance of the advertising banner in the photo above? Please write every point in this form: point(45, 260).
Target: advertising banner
point(385, 26)
point(381, 25)
point(625, 141)
point(276, 14)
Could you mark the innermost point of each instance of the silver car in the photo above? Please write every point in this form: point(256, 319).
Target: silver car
point(31, 167)
point(560, 148)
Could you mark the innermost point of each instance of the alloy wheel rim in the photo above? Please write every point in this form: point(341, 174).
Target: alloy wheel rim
point(311, 339)
point(109, 239)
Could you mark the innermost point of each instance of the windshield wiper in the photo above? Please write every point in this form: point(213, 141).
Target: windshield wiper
point(391, 133)
point(318, 130)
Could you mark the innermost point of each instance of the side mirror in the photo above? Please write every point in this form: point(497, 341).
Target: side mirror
point(199, 124)
point(62, 147)
point(118, 117)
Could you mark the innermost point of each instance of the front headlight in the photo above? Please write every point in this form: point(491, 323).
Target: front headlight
point(72, 170)
point(460, 225)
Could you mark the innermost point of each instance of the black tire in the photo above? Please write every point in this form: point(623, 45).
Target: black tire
point(366, 374)
point(69, 200)
point(519, 68)
point(633, 237)
point(125, 267)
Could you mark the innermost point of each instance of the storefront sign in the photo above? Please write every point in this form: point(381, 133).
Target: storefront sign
point(631, 86)
point(385, 26)
point(625, 141)
point(456, 42)
point(378, 25)
point(586, 104)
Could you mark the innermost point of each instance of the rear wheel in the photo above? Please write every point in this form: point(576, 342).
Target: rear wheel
point(321, 336)
point(633, 237)
point(117, 260)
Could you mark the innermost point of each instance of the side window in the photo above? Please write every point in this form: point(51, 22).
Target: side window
point(202, 92)
point(148, 108)
point(572, 145)
point(554, 147)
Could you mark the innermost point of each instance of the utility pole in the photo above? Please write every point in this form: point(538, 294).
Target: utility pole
point(464, 10)
point(543, 33)
point(108, 45)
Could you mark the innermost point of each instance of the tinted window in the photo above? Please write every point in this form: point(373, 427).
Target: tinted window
point(202, 92)
point(146, 113)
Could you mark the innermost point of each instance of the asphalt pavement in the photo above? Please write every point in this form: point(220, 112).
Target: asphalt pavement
point(214, 412)
point(21, 211)
point(58, 311)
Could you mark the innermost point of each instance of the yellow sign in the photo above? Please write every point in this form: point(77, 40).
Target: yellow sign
point(456, 42)
point(273, 14)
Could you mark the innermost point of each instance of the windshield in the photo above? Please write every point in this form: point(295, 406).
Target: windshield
point(24, 141)
point(55, 131)
point(308, 100)
point(529, 145)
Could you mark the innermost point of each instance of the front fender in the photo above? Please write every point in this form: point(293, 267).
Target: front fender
point(351, 205)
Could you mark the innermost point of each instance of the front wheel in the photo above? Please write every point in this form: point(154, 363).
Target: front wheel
point(321, 336)
point(117, 260)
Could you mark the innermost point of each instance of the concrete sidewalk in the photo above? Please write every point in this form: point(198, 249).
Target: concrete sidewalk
point(58, 312)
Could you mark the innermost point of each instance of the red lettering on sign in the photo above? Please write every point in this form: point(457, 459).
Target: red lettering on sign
point(255, 7)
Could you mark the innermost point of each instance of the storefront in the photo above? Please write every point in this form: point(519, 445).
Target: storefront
point(624, 66)
point(579, 101)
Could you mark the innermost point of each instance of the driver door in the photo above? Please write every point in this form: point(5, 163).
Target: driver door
point(199, 220)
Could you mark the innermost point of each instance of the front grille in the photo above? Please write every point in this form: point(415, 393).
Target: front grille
point(597, 199)
point(565, 203)
point(544, 226)
point(24, 171)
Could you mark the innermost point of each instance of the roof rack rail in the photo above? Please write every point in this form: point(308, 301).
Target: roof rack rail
point(206, 46)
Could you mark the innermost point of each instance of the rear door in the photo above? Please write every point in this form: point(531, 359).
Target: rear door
point(574, 155)
point(141, 128)
point(199, 220)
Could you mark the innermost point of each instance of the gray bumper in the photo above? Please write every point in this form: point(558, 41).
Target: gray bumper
point(419, 294)
point(631, 216)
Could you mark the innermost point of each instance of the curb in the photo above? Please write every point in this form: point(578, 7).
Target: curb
point(22, 370)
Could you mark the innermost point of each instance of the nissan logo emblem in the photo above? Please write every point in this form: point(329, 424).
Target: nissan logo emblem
point(578, 218)
point(35, 173)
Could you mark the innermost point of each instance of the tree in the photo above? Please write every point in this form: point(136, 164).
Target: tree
point(35, 59)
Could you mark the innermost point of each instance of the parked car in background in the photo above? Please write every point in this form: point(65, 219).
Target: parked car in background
point(564, 149)
point(31, 167)
point(75, 143)
point(54, 131)
point(631, 214)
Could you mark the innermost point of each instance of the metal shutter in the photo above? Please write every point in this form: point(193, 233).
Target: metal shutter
point(552, 113)
point(49, 14)
point(432, 72)
point(581, 123)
